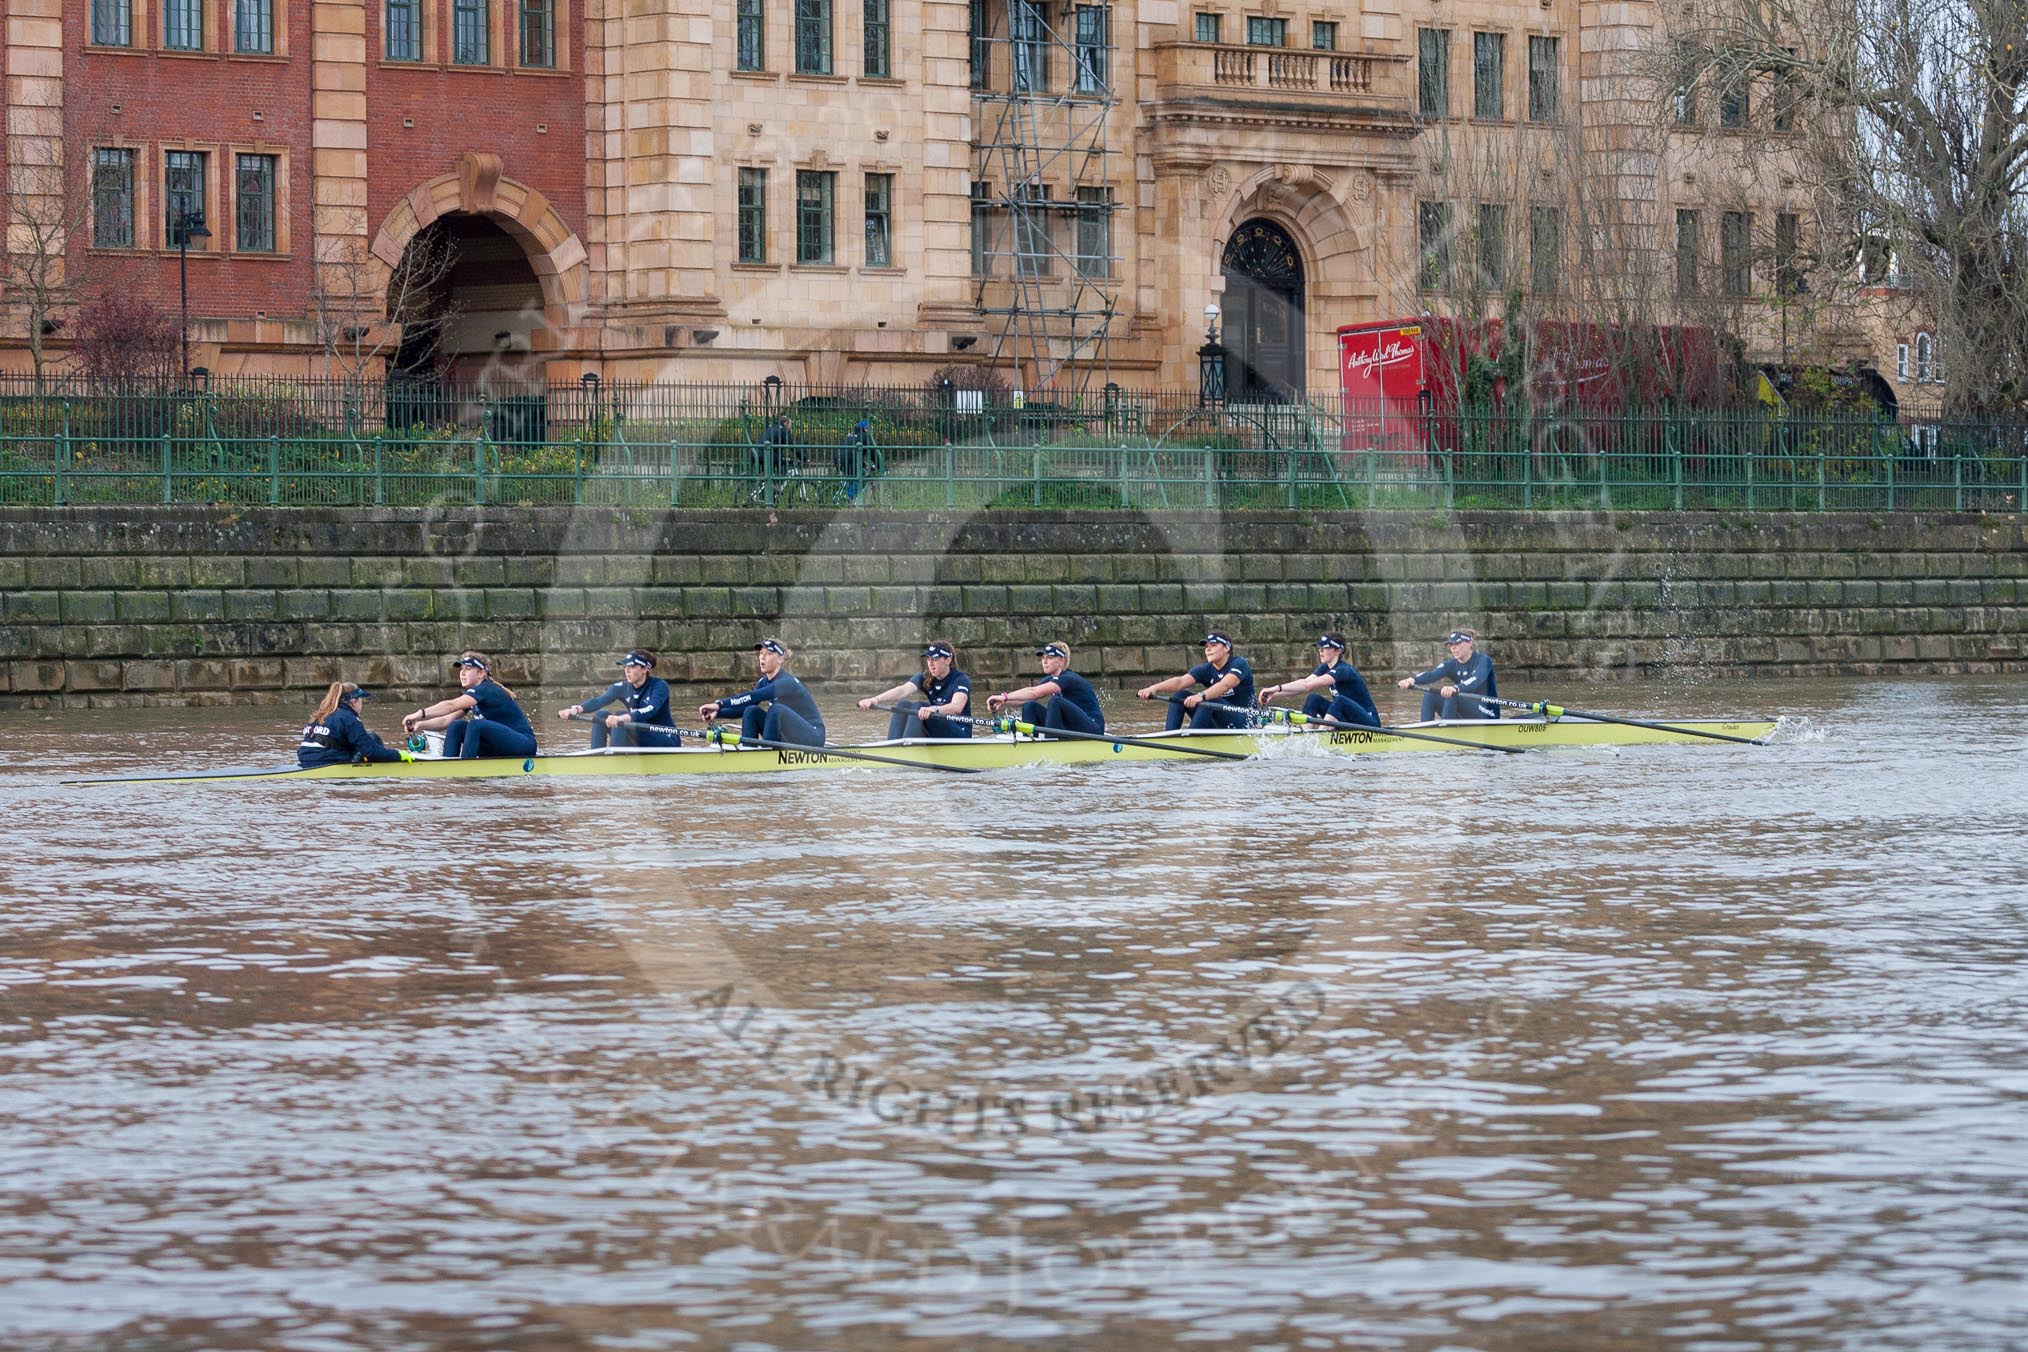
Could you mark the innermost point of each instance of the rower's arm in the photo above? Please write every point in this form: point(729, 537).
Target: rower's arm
point(1303, 685)
point(1172, 685)
point(1223, 686)
point(906, 690)
point(959, 701)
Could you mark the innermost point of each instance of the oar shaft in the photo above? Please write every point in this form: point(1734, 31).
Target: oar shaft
point(735, 739)
point(1007, 724)
point(1290, 716)
point(1554, 711)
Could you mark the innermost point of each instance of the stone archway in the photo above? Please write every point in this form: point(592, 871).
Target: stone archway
point(1264, 308)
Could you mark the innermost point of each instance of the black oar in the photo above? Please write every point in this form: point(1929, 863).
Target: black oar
point(721, 738)
point(1291, 716)
point(1555, 711)
point(1006, 724)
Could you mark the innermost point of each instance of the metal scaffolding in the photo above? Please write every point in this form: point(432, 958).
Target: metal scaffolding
point(1042, 75)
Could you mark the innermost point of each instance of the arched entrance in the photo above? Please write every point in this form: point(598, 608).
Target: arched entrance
point(1263, 314)
point(466, 297)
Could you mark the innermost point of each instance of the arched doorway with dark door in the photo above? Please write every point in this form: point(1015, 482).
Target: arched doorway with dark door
point(1263, 307)
point(467, 299)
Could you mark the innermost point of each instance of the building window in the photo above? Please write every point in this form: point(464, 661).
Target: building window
point(1030, 36)
point(1323, 36)
point(750, 35)
point(1545, 250)
point(253, 199)
point(980, 54)
point(816, 193)
point(1094, 232)
point(183, 198)
point(1207, 27)
point(1542, 87)
point(1735, 253)
point(1433, 72)
point(471, 44)
point(1925, 439)
point(402, 40)
point(1489, 74)
point(1785, 93)
point(1433, 237)
point(1267, 32)
point(1734, 102)
point(1788, 254)
point(880, 220)
point(183, 25)
point(253, 27)
point(113, 23)
point(538, 33)
point(1034, 253)
point(982, 230)
point(1685, 98)
point(1687, 250)
point(113, 198)
point(1924, 348)
point(813, 37)
point(753, 215)
point(1901, 361)
point(1093, 23)
point(1492, 246)
point(876, 35)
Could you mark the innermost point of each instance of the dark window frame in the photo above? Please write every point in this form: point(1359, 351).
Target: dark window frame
point(183, 25)
point(876, 30)
point(879, 202)
point(255, 38)
point(114, 201)
point(1489, 76)
point(815, 51)
point(471, 32)
point(1545, 78)
point(112, 23)
point(751, 210)
point(401, 38)
point(256, 230)
point(816, 217)
point(1433, 72)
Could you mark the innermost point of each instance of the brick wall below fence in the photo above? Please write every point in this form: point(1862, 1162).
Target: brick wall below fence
point(206, 605)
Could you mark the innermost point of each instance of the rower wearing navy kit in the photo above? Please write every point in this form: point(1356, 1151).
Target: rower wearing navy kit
point(643, 718)
point(497, 726)
point(778, 708)
point(1227, 678)
point(1337, 690)
point(335, 736)
point(1466, 672)
point(935, 704)
point(1073, 705)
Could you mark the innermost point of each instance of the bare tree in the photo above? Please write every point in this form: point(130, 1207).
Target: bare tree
point(45, 215)
point(364, 312)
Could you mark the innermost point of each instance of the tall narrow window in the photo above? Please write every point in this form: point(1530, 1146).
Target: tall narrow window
point(1034, 252)
point(1785, 93)
point(1092, 28)
point(253, 199)
point(750, 35)
point(471, 44)
point(1923, 370)
point(538, 33)
point(1207, 27)
point(1492, 246)
point(183, 196)
point(1543, 97)
point(183, 25)
point(1262, 32)
point(1735, 253)
point(753, 215)
point(816, 194)
point(1687, 61)
point(1094, 232)
point(813, 37)
point(1687, 250)
point(1489, 75)
point(402, 31)
point(1030, 33)
point(982, 230)
point(880, 220)
point(1734, 102)
point(1787, 254)
point(253, 27)
point(877, 40)
point(113, 198)
point(1433, 72)
point(1323, 36)
point(1901, 361)
point(1433, 237)
point(979, 55)
point(1545, 250)
point(113, 23)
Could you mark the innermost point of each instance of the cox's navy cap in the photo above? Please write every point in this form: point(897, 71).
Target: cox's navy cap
point(471, 662)
point(771, 645)
point(1330, 641)
point(360, 693)
point(938, 650)
point(1216, 637)
point(636, 659)
point(1457, 636)
point(1052, 650)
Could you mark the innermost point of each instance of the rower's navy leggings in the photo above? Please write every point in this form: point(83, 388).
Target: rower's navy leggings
point(1060, 713)
point(1205, 717)
point(904, 723)
point(776, 724)
point(1456, 707)
point(633, 734)
point(468, 739)
point(1342, 708)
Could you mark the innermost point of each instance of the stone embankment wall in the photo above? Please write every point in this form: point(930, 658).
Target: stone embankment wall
point(207, 605)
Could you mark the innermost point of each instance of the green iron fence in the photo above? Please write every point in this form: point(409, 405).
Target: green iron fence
point(701, 447)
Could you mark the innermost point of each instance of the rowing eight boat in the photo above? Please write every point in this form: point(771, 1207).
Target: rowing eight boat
point(996, 753)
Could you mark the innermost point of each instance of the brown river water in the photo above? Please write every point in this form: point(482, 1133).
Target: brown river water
point(1701, 1047)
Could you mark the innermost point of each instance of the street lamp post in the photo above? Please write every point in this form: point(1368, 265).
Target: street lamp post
point(189, 226)
point(1210, 362)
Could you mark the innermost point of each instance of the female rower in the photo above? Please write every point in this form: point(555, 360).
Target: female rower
point(934, 704)
point(335, 736)
point(1226, 678)
point(1073, 704)
point(790, 714)
point(1465, 673)
point(643, 698)
point(497, 726)
point(1349, 701)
